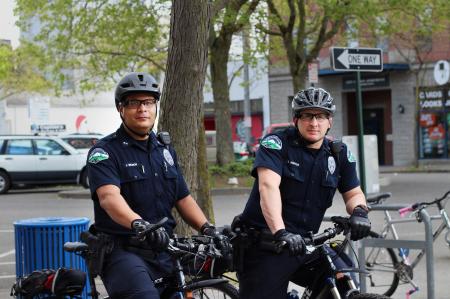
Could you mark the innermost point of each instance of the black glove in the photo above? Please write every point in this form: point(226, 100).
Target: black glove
point(220, 240)
point(296, 244)
point(158, 239)
point(359, 224)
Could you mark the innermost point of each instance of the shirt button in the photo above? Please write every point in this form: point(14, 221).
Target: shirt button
point(135, 176)
point(156, 174)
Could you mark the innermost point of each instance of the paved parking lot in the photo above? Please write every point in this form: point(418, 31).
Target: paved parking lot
point(406, 188)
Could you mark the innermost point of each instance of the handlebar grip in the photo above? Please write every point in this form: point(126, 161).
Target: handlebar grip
point(404, 211)
point(157, 225)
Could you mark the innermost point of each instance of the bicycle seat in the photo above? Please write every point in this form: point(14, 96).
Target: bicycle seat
point(377, 198)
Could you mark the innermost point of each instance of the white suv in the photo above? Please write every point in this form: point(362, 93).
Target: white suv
point(27, 159)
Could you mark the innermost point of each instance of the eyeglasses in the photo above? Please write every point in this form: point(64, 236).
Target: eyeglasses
point(134, 104)
point(320, 117)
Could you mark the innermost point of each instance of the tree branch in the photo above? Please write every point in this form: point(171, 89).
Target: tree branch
point(113, 53)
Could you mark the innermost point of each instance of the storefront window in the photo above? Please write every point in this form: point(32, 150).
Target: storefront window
point(434, 133)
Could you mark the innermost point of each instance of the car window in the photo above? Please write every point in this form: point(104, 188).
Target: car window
point(19, 147)
point(79, 143)
point(49, 147)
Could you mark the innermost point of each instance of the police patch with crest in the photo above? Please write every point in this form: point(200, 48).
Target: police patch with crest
point(331, 165)
point(272, 142)
point(350, 157)
point(168, 157)
point(98, 155)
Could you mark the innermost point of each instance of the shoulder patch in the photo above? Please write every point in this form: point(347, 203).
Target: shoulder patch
point(350, 156)
point(272, 142)
point(98, 155)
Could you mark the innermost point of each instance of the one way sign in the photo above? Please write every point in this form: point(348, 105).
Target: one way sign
point(357, 59)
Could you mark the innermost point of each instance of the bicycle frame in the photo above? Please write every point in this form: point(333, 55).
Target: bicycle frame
point(389, 227)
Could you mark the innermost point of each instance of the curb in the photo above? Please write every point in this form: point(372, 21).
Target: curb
point(75, 194)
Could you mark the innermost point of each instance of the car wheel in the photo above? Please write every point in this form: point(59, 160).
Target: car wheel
point(5, 182)
point(84, 179)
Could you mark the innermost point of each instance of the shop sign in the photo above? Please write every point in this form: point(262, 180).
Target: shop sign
point(431, 94)
point(441, 72)
point(431, 104)
point(366, 81)
point(47, 128)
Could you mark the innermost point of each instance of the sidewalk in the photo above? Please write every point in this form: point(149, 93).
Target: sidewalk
point(80, 193)
point(424, 166)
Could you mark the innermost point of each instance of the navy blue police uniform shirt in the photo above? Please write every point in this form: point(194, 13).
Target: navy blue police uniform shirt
point(308, 180)
point(149, 178)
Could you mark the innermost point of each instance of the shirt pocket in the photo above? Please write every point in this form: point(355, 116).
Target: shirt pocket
point(328, 189)
point(293, 171)
point(132, 174)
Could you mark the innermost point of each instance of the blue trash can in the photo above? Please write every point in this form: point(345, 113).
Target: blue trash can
point(40, 244)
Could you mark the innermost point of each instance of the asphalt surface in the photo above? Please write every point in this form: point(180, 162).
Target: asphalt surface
point(406, 188)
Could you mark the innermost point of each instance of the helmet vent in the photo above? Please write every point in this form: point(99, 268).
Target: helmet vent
point(141, 77)
point(155, 85)
point(125, 85)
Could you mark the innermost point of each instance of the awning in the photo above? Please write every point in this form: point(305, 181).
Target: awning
point(387, 67)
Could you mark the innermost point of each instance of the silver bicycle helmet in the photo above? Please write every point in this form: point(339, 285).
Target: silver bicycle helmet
point(313, 98)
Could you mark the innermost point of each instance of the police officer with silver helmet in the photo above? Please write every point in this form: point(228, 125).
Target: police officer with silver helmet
point(297, 172)
point(135, 181)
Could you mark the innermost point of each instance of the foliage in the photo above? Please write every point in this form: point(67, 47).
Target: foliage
point(300, 29)
point(100, 40)
point(22, 69)
point(229, 18)
point(234, 169)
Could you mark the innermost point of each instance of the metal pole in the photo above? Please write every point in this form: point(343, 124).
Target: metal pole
point(359, 112)
point(429, 252)
point(247, 111)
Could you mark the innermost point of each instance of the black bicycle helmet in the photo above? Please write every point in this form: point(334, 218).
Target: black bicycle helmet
point(136, 82)
point(313, 98)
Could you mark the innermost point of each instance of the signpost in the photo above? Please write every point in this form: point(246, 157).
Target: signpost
point(358, 60)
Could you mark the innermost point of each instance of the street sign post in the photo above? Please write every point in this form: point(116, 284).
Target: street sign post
point(357, 59)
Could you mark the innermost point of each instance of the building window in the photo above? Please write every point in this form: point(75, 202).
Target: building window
point(434, 135)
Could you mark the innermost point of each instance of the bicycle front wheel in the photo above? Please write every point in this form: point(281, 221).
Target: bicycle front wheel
point(222, 291)
point(381, 264)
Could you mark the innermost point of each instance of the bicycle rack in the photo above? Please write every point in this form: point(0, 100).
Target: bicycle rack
point(427, 244)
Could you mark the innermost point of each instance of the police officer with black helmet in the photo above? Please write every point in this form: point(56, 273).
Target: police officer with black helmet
point(135, 181)
point(297, 172)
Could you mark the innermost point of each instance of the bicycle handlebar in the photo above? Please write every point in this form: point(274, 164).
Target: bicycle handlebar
point(421, 205)
point(194, 245)
point(341, 224)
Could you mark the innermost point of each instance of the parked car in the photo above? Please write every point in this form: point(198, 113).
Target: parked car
point(270, 129)
point(240, 150)
point(36, 160)
point(81, 142)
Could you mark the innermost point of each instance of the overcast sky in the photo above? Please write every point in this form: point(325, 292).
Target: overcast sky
point(7, 28)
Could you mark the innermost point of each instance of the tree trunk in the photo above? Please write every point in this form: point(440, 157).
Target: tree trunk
point(182, 99)
point(203, 194)
point(219, 81)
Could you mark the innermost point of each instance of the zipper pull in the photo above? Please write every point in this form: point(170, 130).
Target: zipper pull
point(143, 169)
